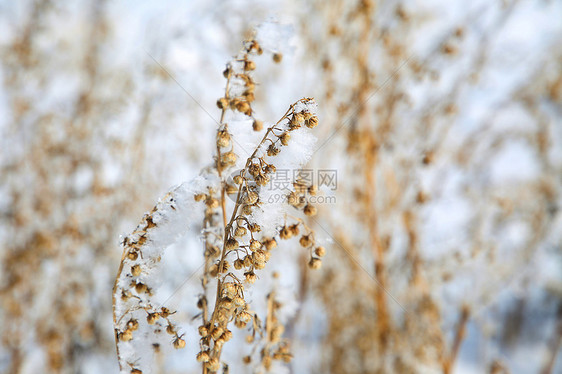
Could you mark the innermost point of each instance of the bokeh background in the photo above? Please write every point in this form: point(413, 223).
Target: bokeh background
point(441, 119)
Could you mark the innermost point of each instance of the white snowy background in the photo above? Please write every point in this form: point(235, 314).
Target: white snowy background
point(170, 54)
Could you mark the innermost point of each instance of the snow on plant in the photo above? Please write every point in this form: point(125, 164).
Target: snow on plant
point(242, 223)
point(137, 321)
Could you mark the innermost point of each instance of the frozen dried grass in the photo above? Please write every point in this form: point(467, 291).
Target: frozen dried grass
point(238, 236)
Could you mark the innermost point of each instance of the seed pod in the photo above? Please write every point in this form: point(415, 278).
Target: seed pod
point(201, 302)
point(239, 302)
point(203, 331)
point(234, 102)
point(258, 256)
point(270, 169)
point(285, 233)
point(200, 197)
point(136, 270)
point(277, 57)
point(126, 335)
point(272, 150)
point(238, 264)
point(320, 251)
point(226, 335)
point(238, 179)
point(257, 48)
point(312, 122)
point(231, 244)
point(223, 138)
point(231, 189)
point(310, 210)
point(294, 229)
point(246, 210)
point(251, 198)
point(152, 318)
point(284, 138)
point(212, 203)
point(179, 343)
point(225, 267)
point(306, 240)
point(254, 227)
point(254, 169)
point(125, 295)
point(132, 255)
point(239, 324)
point(249, 65)
point(249, 96)
point(247, 360)
point(250, 277)
point(240, 231)
point(261, 180)
point(136, 371)
point(229, 158)
point(213, 364)
point(226, 73)
point(140, 287)
point(214, 270)
point(293, 199)
point(300, 187)
point(315, 263)
point(313, 190)
point(259, 265)
point(222, 103)
point(248, 261)
point(170, 329)
point(229, 289)
point(296, 121)
point(270, 244)
point(243, 107)
point(203, 356)
point(223, 315)
point(212, 251)
point(242, 319)
point(216, 332)
point(257, 125)
point(255, 245)
point(267, 255)
point(132, 324)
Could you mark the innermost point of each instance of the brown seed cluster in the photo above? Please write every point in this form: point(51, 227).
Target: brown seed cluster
point(299, 200)
point(230, 306)
point(132, 291)
point(240, 91)
point(244, 250)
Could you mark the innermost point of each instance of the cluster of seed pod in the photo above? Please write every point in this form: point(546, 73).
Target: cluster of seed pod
point(230, 306)
point(239, 93)
point(257, 173)
point(242, 236)
point(299, 200)
point(132, 292)
point(306, 240)
point(296, 120)
point(298, 197)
